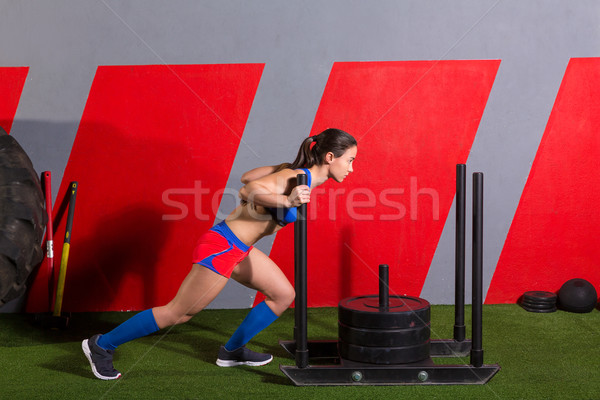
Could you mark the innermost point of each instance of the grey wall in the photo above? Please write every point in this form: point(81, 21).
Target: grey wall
point(64, 41)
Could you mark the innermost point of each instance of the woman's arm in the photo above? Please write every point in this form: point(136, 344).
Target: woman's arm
point(269, 191)
point(257, 173)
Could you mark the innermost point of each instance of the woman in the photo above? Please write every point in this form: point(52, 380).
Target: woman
point(269, 200)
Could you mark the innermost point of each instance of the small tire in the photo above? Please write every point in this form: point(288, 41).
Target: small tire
point(22, 219)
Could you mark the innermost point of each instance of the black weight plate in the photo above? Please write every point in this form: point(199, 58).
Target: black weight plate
point(537, 305)
point(403, 312)
point(384, 355)
point(540, 296)
point(540, 301)
point(384, 337)
point(540, 310)
point(547, 303)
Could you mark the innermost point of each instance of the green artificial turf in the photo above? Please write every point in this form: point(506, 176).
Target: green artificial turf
point(542, 356)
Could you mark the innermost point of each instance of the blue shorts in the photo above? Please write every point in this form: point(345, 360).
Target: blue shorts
point(220, 250)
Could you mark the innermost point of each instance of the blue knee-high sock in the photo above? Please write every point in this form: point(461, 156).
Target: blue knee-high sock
point(139, 325)
point(258, 319)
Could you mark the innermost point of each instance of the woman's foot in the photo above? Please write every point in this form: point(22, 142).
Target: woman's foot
point(100, 359)
point(242, 356)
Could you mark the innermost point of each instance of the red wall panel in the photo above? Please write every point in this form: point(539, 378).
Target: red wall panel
point(155, 145)
point(12, 80)
point(554, 234)
point(414, 122)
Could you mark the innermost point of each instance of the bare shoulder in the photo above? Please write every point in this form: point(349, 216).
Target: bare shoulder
point(276, 181)
point(257, 173)
point(286, 174)
point(285, 179)
point(289, 174)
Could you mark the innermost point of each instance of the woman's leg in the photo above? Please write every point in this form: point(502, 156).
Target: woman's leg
point(259, 272)
point(198, 289)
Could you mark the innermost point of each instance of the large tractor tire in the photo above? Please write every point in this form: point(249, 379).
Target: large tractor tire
point(22, 219)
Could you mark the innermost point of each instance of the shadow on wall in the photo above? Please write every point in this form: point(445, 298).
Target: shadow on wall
point(119, 259)
point(123, 255)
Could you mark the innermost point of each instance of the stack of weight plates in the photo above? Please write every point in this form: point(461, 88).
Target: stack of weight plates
point(398, 334)
point(538, 301)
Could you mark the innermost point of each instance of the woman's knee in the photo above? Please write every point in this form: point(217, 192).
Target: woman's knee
point(291, 295)
point(285, 296)
point(168, 316)
point(183, 319)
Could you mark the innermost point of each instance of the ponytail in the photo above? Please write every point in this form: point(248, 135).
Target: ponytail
point(306, 156)
point(330, 140)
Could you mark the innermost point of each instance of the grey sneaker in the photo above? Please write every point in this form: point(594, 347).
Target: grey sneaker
point(242, 356)
point(100, 359)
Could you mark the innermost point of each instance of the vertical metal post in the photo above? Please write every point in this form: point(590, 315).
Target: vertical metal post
point(300, 235)
point(384, 287)
point(47, 180)
point(459, 261)
point(62, 273)
point(476, 348)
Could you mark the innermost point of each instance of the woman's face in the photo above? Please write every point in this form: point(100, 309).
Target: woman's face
point(340, 167)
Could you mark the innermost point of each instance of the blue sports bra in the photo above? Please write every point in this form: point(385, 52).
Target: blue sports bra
point(283, 215)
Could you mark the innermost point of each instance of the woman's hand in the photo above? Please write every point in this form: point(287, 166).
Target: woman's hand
point(300, 195)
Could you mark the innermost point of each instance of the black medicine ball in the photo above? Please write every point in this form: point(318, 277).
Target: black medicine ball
point(577, 295)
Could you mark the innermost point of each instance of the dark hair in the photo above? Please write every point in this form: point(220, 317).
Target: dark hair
point(330, 140)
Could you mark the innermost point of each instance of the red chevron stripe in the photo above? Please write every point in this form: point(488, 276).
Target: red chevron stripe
point(414, 121)
point(554, 234)
point(154, 141)
point(12, 80)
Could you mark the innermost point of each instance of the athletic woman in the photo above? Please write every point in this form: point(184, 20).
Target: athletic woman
point(269, 200)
